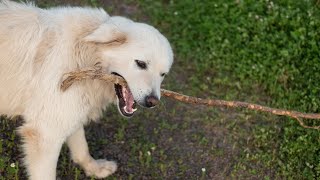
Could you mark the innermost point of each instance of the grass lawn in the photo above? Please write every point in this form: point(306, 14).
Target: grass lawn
point(259, 51)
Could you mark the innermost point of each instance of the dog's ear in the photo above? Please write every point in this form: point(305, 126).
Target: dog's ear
point(106, 33)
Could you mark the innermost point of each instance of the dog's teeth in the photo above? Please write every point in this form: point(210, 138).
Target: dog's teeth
point(134, 110)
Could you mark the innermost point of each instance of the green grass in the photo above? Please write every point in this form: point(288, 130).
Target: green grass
point(258, 51)
point(248, 50)
point(9, 166)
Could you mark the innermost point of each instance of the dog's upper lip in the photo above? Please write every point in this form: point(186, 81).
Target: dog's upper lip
point(117, 74)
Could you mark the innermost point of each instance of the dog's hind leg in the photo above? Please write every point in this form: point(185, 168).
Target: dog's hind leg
point(41, 152)
point(80, 154)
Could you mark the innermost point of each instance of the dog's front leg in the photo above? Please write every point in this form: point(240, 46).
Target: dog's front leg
point(80, 154)
point(41, 152)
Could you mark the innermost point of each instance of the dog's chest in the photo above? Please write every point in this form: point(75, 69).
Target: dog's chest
point(98, 98)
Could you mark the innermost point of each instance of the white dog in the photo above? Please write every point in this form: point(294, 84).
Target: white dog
point(38, 46)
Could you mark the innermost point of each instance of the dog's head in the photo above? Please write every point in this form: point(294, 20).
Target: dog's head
point(137, 52)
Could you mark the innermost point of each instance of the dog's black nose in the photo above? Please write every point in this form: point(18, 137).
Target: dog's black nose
point(151, 101)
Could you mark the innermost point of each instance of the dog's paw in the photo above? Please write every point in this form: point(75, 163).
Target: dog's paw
point(100, 168)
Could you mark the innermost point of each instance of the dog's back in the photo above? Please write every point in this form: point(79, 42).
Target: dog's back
point(19, 36)
point(37, 47)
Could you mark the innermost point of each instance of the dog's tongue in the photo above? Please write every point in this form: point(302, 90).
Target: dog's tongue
point(128, 99)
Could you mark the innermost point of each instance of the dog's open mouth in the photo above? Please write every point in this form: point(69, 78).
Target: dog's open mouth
point(126, 102)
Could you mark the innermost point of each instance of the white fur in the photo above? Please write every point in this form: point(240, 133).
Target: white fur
point(38, 46)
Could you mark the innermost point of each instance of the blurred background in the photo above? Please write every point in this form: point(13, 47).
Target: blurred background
point(259, 51)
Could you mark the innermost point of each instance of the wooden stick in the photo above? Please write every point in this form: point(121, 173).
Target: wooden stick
point(238, 104)
point(96, 72)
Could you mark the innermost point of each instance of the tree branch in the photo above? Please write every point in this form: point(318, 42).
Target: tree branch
point(96, 72)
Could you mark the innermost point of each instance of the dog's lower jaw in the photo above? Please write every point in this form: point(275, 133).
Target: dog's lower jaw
point(122, 111)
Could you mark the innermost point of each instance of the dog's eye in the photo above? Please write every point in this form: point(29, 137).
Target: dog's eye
point(162, 74)
point(141, 64)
